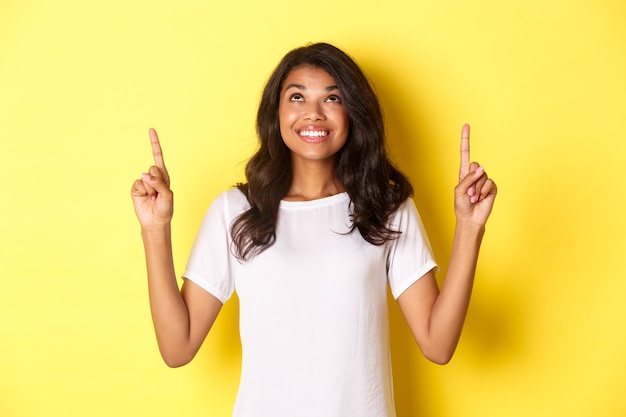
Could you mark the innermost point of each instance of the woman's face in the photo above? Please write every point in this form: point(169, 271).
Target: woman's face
point(313, 120)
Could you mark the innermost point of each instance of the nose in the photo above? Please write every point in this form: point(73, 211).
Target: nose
point(314, 112)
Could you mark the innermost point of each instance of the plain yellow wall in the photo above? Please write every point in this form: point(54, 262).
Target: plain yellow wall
point(543, 83)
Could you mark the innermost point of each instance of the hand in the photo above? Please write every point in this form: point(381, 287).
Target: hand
point(152, 197)
point(475, 193)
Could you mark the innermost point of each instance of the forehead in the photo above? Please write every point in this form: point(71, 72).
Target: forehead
point(308, 77)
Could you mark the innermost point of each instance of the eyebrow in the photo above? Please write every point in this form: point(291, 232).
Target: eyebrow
point(302, 87)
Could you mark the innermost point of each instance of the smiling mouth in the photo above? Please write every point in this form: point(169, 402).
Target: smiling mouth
point(313, 133)
point(313, 136)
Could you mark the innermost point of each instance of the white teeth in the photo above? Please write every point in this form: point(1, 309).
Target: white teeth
point(313, 133)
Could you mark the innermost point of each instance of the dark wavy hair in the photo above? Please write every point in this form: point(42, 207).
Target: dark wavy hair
point(375, 186)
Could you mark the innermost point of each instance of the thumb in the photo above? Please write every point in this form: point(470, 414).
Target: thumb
point(154, 179)
point(466, 184)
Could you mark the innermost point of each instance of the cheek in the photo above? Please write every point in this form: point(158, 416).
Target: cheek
point(343, 120)
point(286, 117)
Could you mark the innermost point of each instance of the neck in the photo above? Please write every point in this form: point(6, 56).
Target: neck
point(312, 181)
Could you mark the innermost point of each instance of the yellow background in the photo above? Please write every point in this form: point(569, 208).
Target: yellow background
point(543, 83)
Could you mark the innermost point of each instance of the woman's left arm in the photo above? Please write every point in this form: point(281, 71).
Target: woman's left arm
point(436, 317)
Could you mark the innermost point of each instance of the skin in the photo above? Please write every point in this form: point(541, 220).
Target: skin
point(182, 318)
point(436, 317)
point(310, 101)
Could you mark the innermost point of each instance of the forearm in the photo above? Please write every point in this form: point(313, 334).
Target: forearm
point(169, 311)
point(450, 308)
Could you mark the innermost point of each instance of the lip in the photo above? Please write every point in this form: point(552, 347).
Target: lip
point(313, 139)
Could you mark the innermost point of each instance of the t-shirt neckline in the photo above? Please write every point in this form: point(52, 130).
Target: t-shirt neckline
point(324, 201)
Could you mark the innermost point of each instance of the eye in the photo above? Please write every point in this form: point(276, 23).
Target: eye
point(296, 97)
point(333, 99)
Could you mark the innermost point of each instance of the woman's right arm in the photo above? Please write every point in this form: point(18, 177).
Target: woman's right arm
point(181, 318)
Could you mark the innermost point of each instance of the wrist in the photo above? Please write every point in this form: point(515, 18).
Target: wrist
point(155, 230)
point(469, 229)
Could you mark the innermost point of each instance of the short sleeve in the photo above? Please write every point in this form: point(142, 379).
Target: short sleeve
point(410, 256)
point(210, 263)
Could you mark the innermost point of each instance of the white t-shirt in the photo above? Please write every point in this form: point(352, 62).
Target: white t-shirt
point(313, 307)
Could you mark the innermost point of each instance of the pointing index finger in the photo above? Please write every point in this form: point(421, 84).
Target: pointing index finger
point(156, 149)
point(465, 151)
point(158, 155)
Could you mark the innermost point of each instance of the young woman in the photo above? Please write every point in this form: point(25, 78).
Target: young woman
point(324, 223)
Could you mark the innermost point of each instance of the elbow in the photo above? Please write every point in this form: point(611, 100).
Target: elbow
point(175, 359)
point(438, 351)
point(439, 359)
point(439, 356)
point(174, 363)
point(175, 352)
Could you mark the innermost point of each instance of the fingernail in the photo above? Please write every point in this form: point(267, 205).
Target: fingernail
point(145, 177)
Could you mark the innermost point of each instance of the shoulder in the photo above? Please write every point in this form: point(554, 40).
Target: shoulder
point(230, 203)
point(405, 207)
point(405, 215)
point(232, 196)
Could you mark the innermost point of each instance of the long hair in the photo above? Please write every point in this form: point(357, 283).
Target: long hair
point(375, 186)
